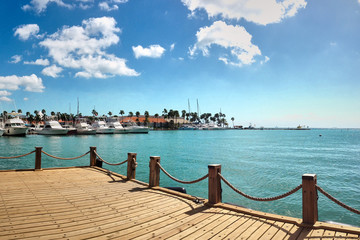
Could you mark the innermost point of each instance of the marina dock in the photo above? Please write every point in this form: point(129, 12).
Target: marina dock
point(92, 202)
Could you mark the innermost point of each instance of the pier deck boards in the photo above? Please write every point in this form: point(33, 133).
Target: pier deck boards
point(85, 203)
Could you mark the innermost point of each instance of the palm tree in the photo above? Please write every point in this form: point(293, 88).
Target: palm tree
point(110, 113)
point(137, 114)
point(157, 118)
point(122, 114)
point(44, 114)
point(19, 111)
point(94, 112)
point(131, 114)
point(232, 119)
point(52, 114)
point(176, 115)
point(146, 114)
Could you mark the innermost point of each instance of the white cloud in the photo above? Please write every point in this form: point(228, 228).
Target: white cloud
point(4, 93)
point(265, 60)
point(105, 6)
point(3, 96)
point(153, 51)
point(5, 99)
point(40, 6)
point(31, 83)
point(16, 59)
point(233, 38)
point(172, 46)
point(52, 71)
point(41, 62)
point(258, 11)
point(83, 48)
point(26, 31)
point(26, 99)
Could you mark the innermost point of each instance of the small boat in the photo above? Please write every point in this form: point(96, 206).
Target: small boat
point(118, 128)
point(15, 127)
point(101, 128)
point(85, 129)
point(53, 128)
point(131, 127)
point(187, 127)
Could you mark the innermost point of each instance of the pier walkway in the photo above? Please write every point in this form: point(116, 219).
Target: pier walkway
point(91, 202)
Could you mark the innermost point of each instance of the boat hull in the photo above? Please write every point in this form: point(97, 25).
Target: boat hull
point(86, 132)
point(53, 132)
point(15, 131)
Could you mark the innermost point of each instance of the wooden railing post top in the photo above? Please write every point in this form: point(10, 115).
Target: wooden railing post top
point(154, 157)
point(308, 176)
point(214, 166)
point(93, 148)
point(132, 154)
point(38, 147)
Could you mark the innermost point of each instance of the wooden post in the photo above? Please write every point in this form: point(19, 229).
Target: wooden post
point(131, 166)
point(38, 158)
point(92, 156)
point(214, 184)
point(309, 195)
point(154, 178)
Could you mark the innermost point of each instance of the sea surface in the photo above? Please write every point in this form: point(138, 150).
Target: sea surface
point(261, 163)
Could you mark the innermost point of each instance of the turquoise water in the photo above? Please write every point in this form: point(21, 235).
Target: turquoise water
point(260, 163)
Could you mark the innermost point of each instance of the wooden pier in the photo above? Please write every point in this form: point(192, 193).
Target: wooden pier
point(92, 202)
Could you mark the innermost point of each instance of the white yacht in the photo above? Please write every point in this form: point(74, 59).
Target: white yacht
point(53, 128)
point(118, 128)
point(15, 127)
point(101, 128)
point(84, 129)
point(1, 131)
point(131, 127)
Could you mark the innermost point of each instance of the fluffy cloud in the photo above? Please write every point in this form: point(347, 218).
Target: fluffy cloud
point(234, 38)
point(5, 99)
point(16, 59)
point(105, 6)
point(83, 48)
point(153, 51)
point(52, 71)
point(31, 83)
point(26, 31)
point(172, 46)
point(258, 11)
point(3, 96)
point(41, 62)
point(40, 6)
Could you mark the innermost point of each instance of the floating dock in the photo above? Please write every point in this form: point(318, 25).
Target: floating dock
point(91, 202)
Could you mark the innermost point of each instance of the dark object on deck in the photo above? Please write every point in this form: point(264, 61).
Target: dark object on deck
point(98, 163)
point(178, 189)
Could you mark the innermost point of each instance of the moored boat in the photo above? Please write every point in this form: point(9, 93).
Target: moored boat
point(101, 128)
point(131, 127)
point(82, 128)
point(118, 128)
point(53, 128)
point(15, 127)
point(1, 132)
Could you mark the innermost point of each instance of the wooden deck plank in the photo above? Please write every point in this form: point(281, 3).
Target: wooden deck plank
point(85, 203)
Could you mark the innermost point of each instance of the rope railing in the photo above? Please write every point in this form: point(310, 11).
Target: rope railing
point(112, 164)
point(61, 158)
point(260, 199)
point(18, 156)
point(180, 181)
point(337, 201)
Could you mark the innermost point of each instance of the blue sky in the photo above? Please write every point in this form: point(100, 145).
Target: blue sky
point(270, 63)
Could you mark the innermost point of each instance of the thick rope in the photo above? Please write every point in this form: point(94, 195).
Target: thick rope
point(261, 199)
point(337, 201)
point(64, 158)
point(180, 181)
point(112, 164)
point(18, 156)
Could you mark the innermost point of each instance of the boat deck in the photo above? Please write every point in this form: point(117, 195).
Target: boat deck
point(85, 203)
